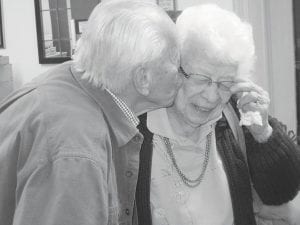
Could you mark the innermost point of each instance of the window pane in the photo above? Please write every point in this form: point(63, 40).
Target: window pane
point(68, 3)
point(51, 49)
point(53, 4)
point(62, 4)
point(66, 48)
point(64, 28)
point(44, 4)
point(57, 48)
point(70, 23)
point(50, 27)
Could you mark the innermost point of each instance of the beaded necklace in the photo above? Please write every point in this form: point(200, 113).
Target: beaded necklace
point(187, 181)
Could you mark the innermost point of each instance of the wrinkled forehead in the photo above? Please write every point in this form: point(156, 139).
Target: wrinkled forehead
point(213, 69)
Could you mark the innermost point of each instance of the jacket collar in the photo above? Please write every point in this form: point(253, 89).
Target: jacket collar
point(121, 127)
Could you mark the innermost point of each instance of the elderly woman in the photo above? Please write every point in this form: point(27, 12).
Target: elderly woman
point(192, 167)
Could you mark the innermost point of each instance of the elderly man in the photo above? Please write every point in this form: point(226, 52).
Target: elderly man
point(69, 146)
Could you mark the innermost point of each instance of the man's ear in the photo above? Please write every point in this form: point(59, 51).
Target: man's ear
point(142, 80)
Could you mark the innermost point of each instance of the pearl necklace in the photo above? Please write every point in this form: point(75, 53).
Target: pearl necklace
point(187, 181)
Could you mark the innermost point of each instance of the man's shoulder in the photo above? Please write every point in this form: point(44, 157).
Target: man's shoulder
point(59, 106)
point(74, 125)
point(73, 114)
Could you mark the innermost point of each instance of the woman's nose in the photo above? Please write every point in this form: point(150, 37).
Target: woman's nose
point(211, 93)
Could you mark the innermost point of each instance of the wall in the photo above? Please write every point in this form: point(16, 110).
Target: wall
point(282, 59)
point(21, 40)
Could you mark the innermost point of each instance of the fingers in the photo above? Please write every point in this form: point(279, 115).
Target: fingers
point(251, 101)
point(274, 212)
point(248, 97)
point(245, 86)
point(251, 96)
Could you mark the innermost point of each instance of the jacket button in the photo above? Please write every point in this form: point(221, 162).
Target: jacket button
point(137, 138)
point(128, 173)
point(127, 212)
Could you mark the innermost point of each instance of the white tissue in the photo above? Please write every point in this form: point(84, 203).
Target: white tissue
point(250, 118)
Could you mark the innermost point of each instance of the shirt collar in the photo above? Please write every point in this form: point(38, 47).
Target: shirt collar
point(158, 123)
point(125, 109)
point(121, 126)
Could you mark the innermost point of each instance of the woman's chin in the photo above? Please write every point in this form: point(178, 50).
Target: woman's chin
point(200, 117)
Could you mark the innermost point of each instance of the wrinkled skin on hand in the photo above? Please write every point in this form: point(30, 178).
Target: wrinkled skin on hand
point(252, 97)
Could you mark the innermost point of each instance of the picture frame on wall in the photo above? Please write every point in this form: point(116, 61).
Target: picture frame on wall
point(170, 6)
point(79, 26)
point(1, 27)
point(167, 5)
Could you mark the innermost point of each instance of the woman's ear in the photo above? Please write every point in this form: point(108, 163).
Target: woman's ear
point(142, 80)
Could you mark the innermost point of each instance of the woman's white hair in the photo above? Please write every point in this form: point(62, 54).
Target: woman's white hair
point(120, 36)
point(210, 32)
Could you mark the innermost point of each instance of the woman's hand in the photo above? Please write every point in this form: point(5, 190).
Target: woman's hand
point(252, 98)
point(287, 214)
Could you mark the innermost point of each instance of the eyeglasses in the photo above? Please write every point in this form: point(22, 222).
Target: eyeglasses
point(206, 81)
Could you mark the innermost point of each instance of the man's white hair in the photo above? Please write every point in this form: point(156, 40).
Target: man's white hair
point(208, 31)
point(120, 36)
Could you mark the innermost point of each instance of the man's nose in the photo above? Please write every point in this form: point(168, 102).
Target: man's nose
point(211, 93)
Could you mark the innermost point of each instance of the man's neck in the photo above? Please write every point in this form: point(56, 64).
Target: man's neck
point(137, 104)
